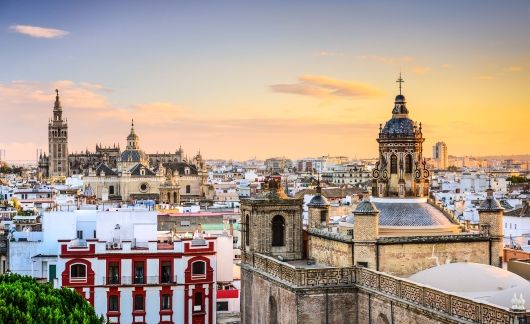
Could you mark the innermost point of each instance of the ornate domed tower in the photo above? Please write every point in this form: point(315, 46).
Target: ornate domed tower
point(401, 170)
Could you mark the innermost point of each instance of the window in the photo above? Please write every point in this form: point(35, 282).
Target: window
point(78, 271)
point(94, 233)
point(188, 189)
point(363, 264)
point(323, 216)
point(198, 268)
point(408, 163)
point(222, 306)
point(111, 190)
point(197, 302)
point(278, 225)
point(139, 273)
point(393, 164)
point(515, 225)
point(247, 229)
point(165, 272)
point(113, 275)
point(138, 302)
point(80, 235)
point(166, 302)
point(143, 187)
point(113, 303)
point(175, 197)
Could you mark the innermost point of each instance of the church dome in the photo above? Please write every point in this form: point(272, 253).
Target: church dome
point(399, 126)
point(133, 156)
point(318, 201)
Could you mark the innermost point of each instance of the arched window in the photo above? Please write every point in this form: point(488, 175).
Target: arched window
point(278, 235)
point(78, 271)
point(408, 163)
point(168, 197)
point(273, 311)
point(198, 268)
point(175, 197)
point(247, 230)
point(393, 164)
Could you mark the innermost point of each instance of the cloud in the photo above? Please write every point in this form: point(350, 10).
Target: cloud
point(327, 88)
point(38, 32)
point(420, 69)
point(329, 54)
point(386, 59)
point(513, 69)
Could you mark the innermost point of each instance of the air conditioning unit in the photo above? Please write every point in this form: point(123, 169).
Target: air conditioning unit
point(116, 245)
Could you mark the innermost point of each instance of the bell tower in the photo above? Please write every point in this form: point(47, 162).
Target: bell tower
point(272, 222)
point(401, 170)
point(58, 142)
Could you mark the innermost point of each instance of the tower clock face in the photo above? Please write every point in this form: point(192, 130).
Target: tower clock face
point(144, 187)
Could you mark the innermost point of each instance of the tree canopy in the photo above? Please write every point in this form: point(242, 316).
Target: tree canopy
point(23, 300)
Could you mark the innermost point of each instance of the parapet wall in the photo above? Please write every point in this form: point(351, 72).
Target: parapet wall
point(421, 300)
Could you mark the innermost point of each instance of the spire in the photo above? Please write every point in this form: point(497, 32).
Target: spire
point(57, 101)
point(57, 109)
point(400, 81)
point(400, 107)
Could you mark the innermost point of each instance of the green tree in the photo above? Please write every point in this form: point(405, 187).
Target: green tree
point(23, 300)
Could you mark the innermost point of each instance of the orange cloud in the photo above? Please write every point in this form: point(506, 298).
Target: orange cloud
point(387, 60)
point(513, 69)
point(327, 88)
point(38, 32)
point(420, 69)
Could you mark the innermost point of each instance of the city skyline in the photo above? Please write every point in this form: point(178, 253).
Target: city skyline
point(239, 80)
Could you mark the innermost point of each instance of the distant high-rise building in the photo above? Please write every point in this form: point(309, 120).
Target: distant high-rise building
point(439, 154)
point(58, 142)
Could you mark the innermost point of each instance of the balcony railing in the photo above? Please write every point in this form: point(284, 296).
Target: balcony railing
point(139, 280)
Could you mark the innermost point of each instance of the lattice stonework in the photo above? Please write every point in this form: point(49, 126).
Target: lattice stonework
point(389, 285)
point(368, 279)
point(436, 300)
point(274, 269)
point(492, 315)
point(288, 274)
point(465, 309)
point(411, 292)
point(260, 262)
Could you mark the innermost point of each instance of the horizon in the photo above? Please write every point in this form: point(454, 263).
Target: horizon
point(238, 80)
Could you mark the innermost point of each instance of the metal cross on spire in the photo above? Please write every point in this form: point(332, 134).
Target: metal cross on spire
point(400, 81)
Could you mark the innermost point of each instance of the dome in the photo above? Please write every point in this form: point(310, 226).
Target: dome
point(318, 201)
point(133, 156)
point(399, 126)
point(473, 280)
point(504, 298)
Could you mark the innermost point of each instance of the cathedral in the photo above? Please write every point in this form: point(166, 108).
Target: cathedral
point(131, 174)
point(317, 274)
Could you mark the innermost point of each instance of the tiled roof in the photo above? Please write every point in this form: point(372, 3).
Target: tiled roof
point(102, 167)
point(490, 204)
point(410, 214)
point(137, 169)
point(365, 207)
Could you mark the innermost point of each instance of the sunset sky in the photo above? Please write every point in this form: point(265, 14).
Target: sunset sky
point(240, 80)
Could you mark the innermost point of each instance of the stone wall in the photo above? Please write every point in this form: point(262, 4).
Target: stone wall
point(330, 252)
point(406, 259)
point(258, 296)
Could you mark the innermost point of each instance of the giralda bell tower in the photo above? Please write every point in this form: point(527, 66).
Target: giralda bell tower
point(58, 142)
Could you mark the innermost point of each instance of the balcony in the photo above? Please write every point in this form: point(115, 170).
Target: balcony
point(139, 280)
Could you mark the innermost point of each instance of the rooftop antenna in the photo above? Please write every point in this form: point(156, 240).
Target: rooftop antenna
point(400, 81)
